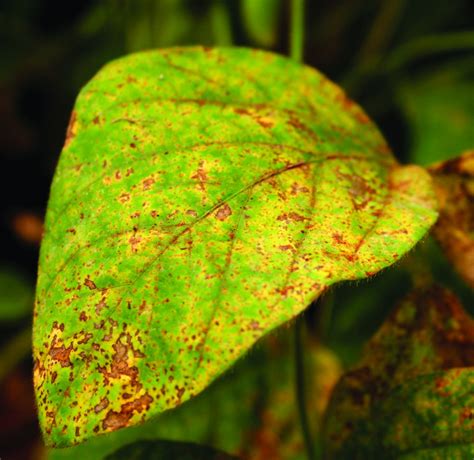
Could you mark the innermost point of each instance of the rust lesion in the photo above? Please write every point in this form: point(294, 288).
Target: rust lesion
point(121, 364)
point(135, 241)
point(90, 284)
point(454, 184)
point(115, 420)
point(61, 354)
point(103, 404)
point(201, 176)
point(71, 129)
point(291, 217)
point(223, 212)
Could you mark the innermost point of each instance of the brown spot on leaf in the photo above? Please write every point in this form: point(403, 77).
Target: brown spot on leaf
point(103, 404)
point(292, 216)
point(124, 197)
point(223, 212)
point(90, 284)
point(71, 129)
point(61, 354)
point(201, 176)
point(254, 325)
point(134, 242)
point(286, 247)
point(179, 393)
point(285, 290)
point(351, 106)
point(147, 183)
point(338, 238)
point(467, 413)
point(115, 420)
point(265, 122)
point(85, 339)
point(242, 111)
point(297, 188)
point(302, 128)
point(120, 362)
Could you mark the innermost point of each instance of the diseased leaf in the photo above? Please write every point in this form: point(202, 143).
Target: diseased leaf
point(454, 230)
point(196, 207)
point(412, 392)
point(166, 450)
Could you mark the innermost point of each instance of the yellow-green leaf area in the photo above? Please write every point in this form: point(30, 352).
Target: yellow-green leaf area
point(203, 197)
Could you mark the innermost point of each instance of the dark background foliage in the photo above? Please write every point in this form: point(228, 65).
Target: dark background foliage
point(409, 64)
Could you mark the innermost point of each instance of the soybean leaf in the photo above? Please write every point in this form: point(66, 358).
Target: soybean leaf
point(440, 109)
point(196, 207)
point(16, 295)
point(412, 393)
point(165, 450)
point(455, 228)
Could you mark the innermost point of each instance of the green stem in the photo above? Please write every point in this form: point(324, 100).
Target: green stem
point(300, 389)
point(15, 351)
point(297, 30)
point(296, 53)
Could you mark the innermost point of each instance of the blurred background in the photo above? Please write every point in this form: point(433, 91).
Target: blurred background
point(409, 64)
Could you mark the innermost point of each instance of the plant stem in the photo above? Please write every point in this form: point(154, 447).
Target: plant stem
point(297, 30)
point(296, 53)
point(15, 351)
point(300, 389)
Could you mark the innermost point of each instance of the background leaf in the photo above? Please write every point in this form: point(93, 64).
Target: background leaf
point(422, 356)
point(194, 205)
point(260, 18)
point(165, 450)
point(16, 295)
point(455, 228)
point(439, 106)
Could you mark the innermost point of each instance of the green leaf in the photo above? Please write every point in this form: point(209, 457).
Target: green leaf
point(166, 450)
point(454, 230)
point(260, 18)
point(440, 109)
point(412, 392)
point(16, 295)
point(195, 208)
